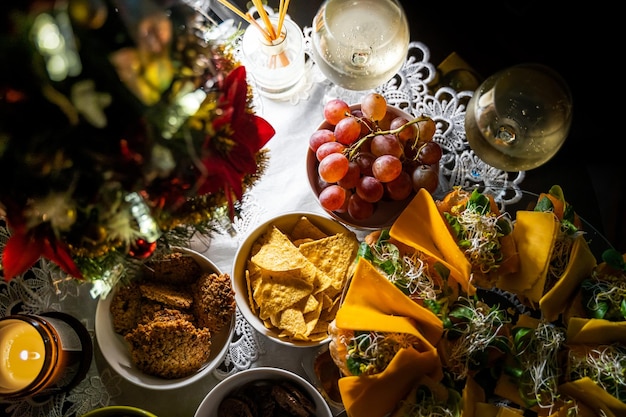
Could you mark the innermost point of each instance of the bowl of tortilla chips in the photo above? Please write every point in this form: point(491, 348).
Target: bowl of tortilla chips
point(289, 275)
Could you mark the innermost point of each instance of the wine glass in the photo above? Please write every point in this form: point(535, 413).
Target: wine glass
point(519, 117)
point(360, 44)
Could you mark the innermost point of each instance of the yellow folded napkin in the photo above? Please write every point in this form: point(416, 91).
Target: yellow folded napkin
point(373, 303)
point(421, 226)
point(590, 393)
point(377, 395)
point(535, 234)
point(595, 331)
point(580, 265)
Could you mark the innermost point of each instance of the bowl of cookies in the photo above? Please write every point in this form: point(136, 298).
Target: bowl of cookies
point(280, 391)
point(171, 325)
point(289, 274)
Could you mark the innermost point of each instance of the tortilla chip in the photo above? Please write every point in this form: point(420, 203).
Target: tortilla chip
point(251, 302)
point(292, 321)
point(280, 254)
point(334, 255)
point(311, 304)
point(305, 229)
point(299, 242)
point(278, 291)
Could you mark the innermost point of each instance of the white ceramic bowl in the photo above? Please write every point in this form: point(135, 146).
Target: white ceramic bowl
point(386, 210)
point(210, 404)
point(119, 411)
point(284, 222)
point(116, 352)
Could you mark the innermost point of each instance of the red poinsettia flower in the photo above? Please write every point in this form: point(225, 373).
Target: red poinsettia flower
point(25, 247)
point(249, 133)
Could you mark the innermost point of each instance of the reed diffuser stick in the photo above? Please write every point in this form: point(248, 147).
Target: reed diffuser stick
point(270, 33)
point(265, 18)
point(282, 12)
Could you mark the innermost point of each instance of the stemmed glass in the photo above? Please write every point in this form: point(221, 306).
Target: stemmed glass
point(360, 44)
point(519, 117)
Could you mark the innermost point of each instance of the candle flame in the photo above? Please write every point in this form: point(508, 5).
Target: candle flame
point(26, 355)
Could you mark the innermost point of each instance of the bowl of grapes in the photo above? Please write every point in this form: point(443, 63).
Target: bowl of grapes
point(366, 161)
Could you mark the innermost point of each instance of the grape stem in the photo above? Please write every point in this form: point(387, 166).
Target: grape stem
point(352, 149)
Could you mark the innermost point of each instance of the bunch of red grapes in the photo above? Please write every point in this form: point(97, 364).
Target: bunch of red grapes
point(372, 154)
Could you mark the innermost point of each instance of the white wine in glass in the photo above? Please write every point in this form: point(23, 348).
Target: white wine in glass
point(519, 118)
point(360, 44)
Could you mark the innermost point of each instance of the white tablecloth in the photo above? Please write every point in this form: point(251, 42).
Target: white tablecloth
point(283, 188)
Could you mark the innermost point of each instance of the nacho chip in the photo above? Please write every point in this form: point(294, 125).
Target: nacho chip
point(291, 320)
point(305, 229)
point(311, 304)
point(278, 291)
point(280, 254)
point(334, 255)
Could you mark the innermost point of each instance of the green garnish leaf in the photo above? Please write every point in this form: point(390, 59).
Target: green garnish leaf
point(614, 259)
point(478, 202)
point(365, 252)
point(544, 204)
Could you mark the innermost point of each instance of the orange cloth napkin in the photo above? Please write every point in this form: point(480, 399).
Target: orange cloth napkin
point(422, 227)
point(372, 302)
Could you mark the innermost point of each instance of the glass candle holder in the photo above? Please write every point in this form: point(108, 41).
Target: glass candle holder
point(276, 67)
point(42, 355)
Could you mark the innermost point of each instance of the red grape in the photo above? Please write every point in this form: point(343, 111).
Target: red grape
point(370, 189)
point(332, 197)
point(401, 187)
point(335, 110)
point(425, 176)
point(374, 106)
point(426, 130)
point(358, 208)
point(352, 176)
point(386, 168)
point(409, 132)
point(386, 145)
point(321, 136)
point(430, 153)
point(333, 167)
point(347, 130)
point(327, 148)
point(365, 160)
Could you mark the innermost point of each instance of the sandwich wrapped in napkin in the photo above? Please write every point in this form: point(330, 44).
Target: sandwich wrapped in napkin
point(406, 332)
point(422, 227)
point(554, 255)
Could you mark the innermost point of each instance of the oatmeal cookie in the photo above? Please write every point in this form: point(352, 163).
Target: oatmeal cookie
point(166, 294)
point(125, 308)
point(213, 301)
point(169, 348)
point(174, 268)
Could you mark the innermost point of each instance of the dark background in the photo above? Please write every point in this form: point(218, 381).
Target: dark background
point(581, 44)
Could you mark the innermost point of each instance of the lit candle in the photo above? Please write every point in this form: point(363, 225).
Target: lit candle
point(22, 355)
